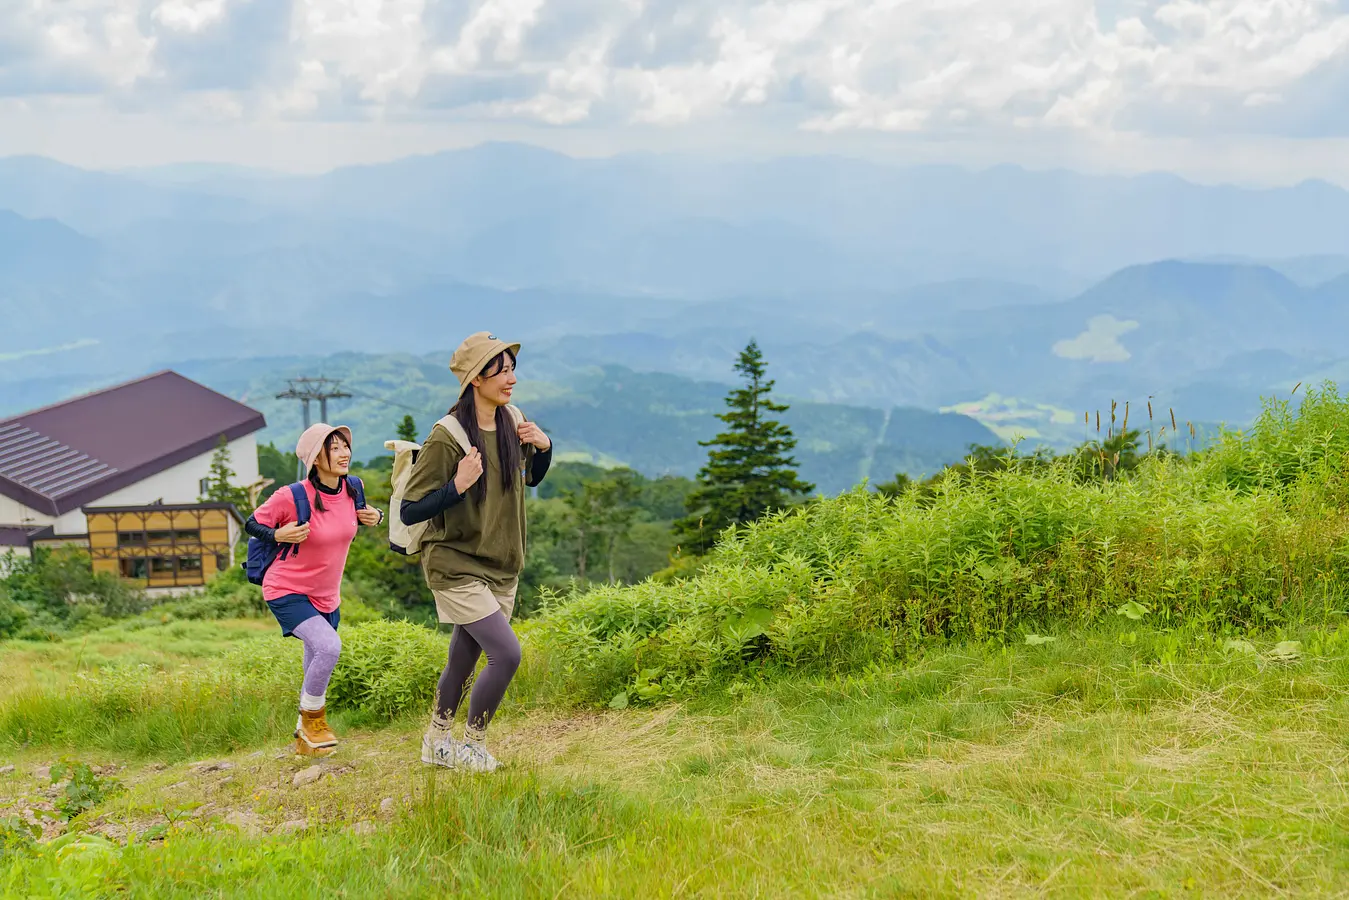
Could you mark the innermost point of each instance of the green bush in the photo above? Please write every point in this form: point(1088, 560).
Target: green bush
point(387, 669)
point(59, 587)
point(13, 617)
point(1238, 536)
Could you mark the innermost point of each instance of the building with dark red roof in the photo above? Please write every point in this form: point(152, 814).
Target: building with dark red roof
point(144, 444)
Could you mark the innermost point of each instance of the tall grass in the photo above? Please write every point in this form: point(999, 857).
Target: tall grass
point(1241, 536)
point(243, 697)
point(1125, 760)
point(1246, 535)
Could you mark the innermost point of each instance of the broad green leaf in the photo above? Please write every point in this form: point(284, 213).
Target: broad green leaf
point(1132, 610)
point(1236, 645)
point(1286, 650)
point(620, 701)
point(1036, 640)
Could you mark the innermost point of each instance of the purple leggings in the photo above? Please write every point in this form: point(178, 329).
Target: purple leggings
point(322, 647)
point(494, 636)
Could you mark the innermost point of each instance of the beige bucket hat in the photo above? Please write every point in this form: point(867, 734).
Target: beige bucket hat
point(474, 353)
point(310, 444)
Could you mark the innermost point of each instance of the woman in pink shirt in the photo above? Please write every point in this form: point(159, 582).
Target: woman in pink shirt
point(303, 586)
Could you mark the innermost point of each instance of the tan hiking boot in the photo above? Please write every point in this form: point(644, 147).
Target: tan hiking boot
point(314, 735)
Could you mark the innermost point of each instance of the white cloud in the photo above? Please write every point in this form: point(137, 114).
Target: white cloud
point(1099, 343)
point(830, 67)
point(189, 15)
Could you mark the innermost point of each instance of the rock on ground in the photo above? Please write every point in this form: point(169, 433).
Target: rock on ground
point(308, 776)
point(247, 822)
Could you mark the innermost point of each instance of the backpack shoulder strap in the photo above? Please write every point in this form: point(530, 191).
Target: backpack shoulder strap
point(516, 414)
point(301, 498)
point(456, 431)
point(360, 490)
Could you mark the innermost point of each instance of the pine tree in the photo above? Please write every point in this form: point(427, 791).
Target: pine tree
point(407, 429)
point(599, 512)
point(220, 482)
point(748, 471)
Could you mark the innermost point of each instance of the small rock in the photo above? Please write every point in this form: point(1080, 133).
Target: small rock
point(156, 767)
point(222, 766)
point(293, 825)
point(366, 827)
point(181, 784)
point(43, 773)
point(308, 776)
point(257, 755)
point(112, 830)
point(228, 779)
point(6, 770)
point(245, 821)
point(386, 807)
point(202, 811)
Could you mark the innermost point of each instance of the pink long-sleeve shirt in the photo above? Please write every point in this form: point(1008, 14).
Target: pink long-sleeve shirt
point(316, 570)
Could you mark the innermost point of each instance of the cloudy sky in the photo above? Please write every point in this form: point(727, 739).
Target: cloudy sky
point(1249, 90)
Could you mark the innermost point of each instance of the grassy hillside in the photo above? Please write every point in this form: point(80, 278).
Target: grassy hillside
point(1090, 766)
point(1011, 683)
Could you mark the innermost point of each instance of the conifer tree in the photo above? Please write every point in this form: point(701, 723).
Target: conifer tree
point(748, 471)
point(220, 482)
point(407, 430)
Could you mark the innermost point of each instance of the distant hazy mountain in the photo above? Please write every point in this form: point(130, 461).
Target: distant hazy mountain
point(42, 250)
point(868, 285)
point(516, 216)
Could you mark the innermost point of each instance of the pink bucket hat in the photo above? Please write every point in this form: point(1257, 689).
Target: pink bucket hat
point(310, 444)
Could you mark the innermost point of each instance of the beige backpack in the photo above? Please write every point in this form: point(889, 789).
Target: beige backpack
point(407, 539)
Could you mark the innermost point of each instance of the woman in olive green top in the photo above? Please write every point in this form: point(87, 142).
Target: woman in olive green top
point(474, 548)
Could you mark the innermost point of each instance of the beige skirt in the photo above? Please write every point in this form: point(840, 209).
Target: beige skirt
point(473, 602)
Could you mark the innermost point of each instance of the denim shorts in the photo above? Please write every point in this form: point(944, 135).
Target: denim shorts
point(293, 609)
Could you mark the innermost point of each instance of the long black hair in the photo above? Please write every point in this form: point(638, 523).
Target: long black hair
point(314, 471)
point(509, 453)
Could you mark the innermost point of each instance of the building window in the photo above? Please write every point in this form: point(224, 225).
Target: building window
point(134, 568)
point(159, 537)
point(204, 486)
point(188, 564)
point(131, 538)
point(161, 566)
point(189, 537)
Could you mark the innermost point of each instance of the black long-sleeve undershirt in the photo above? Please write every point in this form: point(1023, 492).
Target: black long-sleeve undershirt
point(447, 496)
point(539, 467)
point(254, 528)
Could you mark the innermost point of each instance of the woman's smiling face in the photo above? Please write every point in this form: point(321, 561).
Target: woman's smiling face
point(335, 460)
point(497, 381)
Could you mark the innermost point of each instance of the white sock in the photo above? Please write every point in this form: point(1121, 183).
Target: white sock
point(440, 726)
point(310, 703)
point(477, 736)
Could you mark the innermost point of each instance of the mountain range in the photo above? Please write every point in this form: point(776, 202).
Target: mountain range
point(1024, 298)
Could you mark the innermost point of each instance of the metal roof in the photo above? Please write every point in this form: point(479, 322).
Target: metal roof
point(59, 458)
point(44, 465)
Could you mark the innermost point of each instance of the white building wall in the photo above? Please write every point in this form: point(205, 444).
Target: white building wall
point(12, 512)
point(180, 484)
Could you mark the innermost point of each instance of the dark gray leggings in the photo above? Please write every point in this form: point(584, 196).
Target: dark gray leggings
point(494, 636)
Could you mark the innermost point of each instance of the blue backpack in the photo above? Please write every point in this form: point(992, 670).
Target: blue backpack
point(262, 552)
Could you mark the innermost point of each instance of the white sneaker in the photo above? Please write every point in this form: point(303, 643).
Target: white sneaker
point(475, 758)
point(439, 751)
